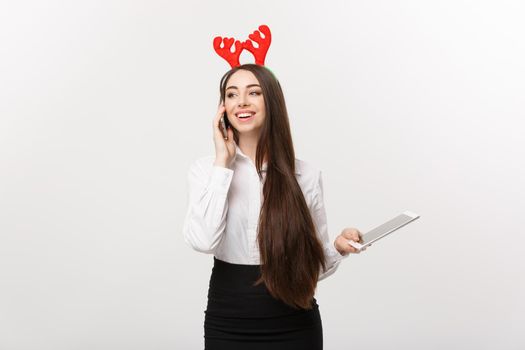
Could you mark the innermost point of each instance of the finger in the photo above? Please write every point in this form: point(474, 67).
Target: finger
point(220, 112)
point(351, 233)
point(356, 235)
point(346, 233)
point(217, 127)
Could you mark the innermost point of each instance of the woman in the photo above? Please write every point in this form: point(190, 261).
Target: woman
point(260, 211)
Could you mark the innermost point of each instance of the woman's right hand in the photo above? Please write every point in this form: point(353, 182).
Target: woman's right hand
point(224, 149)
point(341, 241)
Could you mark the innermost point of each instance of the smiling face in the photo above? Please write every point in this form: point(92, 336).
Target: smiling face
point(244, 103)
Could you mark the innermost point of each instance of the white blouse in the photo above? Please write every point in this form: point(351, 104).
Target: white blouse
point(224, 205)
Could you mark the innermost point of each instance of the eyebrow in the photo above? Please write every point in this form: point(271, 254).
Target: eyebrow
point(248, 86)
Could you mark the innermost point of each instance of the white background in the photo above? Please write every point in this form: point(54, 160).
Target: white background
point(404, 105)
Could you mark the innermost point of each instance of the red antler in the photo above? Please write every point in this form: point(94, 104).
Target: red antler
point(231, 57)
point(264, 44)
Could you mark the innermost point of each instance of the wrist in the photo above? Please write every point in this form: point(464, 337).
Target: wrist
point(221, 163)
point(339, 250)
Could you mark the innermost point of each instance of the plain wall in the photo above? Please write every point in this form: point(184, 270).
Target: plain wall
point(404, 105)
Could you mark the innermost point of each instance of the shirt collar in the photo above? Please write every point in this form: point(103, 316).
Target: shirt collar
point(239, 153)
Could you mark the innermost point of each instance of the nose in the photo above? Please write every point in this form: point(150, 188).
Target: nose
point(242, 102)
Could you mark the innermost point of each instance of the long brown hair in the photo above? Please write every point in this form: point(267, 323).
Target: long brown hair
point(290, 251)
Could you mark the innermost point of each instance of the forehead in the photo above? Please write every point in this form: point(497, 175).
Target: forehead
point(241, 78)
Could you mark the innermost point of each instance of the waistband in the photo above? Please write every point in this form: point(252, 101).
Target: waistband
point(236, 278)
point(232, 293)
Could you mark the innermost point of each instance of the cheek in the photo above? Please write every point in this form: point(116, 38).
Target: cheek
point(262, 108)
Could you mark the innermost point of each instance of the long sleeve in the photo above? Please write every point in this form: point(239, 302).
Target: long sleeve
point(332, 256)
point(205, 220)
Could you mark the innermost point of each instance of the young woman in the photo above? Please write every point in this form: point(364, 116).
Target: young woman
point(260, 212)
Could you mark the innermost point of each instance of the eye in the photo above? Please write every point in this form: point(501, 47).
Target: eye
point(230, 95)
point(257, 93)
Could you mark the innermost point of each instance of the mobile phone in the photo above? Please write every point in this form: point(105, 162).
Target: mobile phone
point(225, 124)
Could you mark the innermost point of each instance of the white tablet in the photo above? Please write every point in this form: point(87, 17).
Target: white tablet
point(385, 229)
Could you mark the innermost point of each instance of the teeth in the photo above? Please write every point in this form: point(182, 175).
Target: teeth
point(244, 115)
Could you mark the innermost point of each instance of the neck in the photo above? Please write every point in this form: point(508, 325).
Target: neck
point(248, 146)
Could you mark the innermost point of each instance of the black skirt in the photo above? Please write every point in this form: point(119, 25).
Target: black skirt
point(242, 316)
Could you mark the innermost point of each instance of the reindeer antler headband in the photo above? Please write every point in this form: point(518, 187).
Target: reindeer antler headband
point(258, 52)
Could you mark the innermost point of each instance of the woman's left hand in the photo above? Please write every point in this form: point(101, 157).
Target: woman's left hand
point(341, 242)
